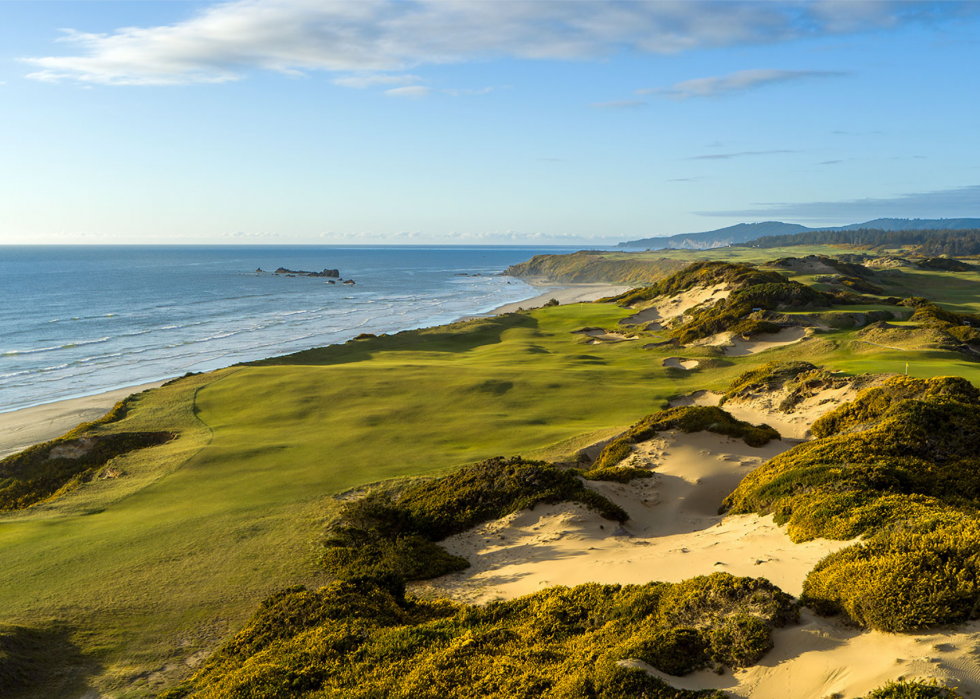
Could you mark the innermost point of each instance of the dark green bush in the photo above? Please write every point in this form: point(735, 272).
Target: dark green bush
point(616, 474)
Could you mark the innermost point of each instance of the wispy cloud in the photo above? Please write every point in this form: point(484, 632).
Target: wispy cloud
point(734, 83)
point(361, 82)
point(621, 104)
point(686, 179)
point(225, 41)
point(412, 91)
point(947, 203)
point(740, 154)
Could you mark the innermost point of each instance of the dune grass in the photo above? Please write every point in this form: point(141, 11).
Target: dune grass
point(144, 573)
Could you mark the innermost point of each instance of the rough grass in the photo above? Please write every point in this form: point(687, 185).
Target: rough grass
point(359, 640)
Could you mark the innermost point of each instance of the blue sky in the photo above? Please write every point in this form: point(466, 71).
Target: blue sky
point(500, 121)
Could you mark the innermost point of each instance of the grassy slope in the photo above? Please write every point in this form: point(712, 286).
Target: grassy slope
point(150, 568)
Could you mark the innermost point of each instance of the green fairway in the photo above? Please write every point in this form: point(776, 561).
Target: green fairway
point(145, 572)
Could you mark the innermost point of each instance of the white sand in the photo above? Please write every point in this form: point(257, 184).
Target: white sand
point(678, 363)
point(674, 531)
point(20, 429)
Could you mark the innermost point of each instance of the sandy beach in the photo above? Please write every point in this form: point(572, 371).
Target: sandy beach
point(20, 429)
point(565, 293)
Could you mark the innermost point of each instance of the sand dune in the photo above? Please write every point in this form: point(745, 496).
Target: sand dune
point(674, 531)
point(664, 310)
point(821, 658)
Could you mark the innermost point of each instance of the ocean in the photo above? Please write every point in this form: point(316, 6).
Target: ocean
point(79, 320)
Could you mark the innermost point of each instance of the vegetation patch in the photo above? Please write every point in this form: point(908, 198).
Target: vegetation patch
point(382, 536)
point(685, 419)
point(706, 273)
point(51, 469)
point(914, 689)
point(616, 474)
point(358, 639)
point(898, 465)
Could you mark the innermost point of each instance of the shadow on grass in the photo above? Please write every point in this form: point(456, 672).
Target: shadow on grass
point(43, 662)
point(456, 337)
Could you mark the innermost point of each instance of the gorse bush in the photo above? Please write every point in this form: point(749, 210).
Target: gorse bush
point(705, 273)
point(872, 403)
point(685, 419)
point(915, 689)
point(358, 640)
point(899, 465)
point(380, 536)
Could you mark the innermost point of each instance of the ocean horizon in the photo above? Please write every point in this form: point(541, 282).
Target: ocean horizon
point(81, 320)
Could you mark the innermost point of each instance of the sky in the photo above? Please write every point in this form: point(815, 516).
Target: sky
point(480, 121)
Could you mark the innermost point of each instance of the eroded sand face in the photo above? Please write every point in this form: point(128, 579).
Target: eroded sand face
point(598, 335)
point(674, 531)
point(664, 310)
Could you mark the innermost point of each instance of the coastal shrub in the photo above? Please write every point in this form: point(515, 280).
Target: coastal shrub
point(616, 474)
point(872, 403)
point(903, 578)
point(359, 640)
point(860, 285)
point(944, 264)
point(53, 468)
point(380, 536)
point(769, 377)
point(913, 689)
point(685, 419)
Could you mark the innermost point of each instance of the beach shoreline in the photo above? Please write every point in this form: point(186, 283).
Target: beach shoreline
point(25, 427)
point(20, 429)
point(564, 293)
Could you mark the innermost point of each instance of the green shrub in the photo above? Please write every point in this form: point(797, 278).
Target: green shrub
point(872, 403)
point(616, 474)
point(685, 419)
point(914, 689)
point(359, 640)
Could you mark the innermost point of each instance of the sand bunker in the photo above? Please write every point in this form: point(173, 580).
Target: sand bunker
point(674, 531)
point(678, 363)
point(821, 658)
point(599, 335)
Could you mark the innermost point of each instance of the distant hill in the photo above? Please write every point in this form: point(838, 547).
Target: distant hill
point(745, 232)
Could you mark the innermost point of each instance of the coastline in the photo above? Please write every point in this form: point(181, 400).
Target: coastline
point(22, 428)
point(565, 293)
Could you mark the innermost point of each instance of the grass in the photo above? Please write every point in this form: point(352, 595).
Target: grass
point(145, 571)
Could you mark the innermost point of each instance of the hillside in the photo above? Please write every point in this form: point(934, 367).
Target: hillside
point(338, 522)
point(745, 232)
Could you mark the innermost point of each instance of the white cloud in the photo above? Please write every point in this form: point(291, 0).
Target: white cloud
point(413, 91)
point(227, 40)
point(243, 234)
point(361, 82)
point(739, 81)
